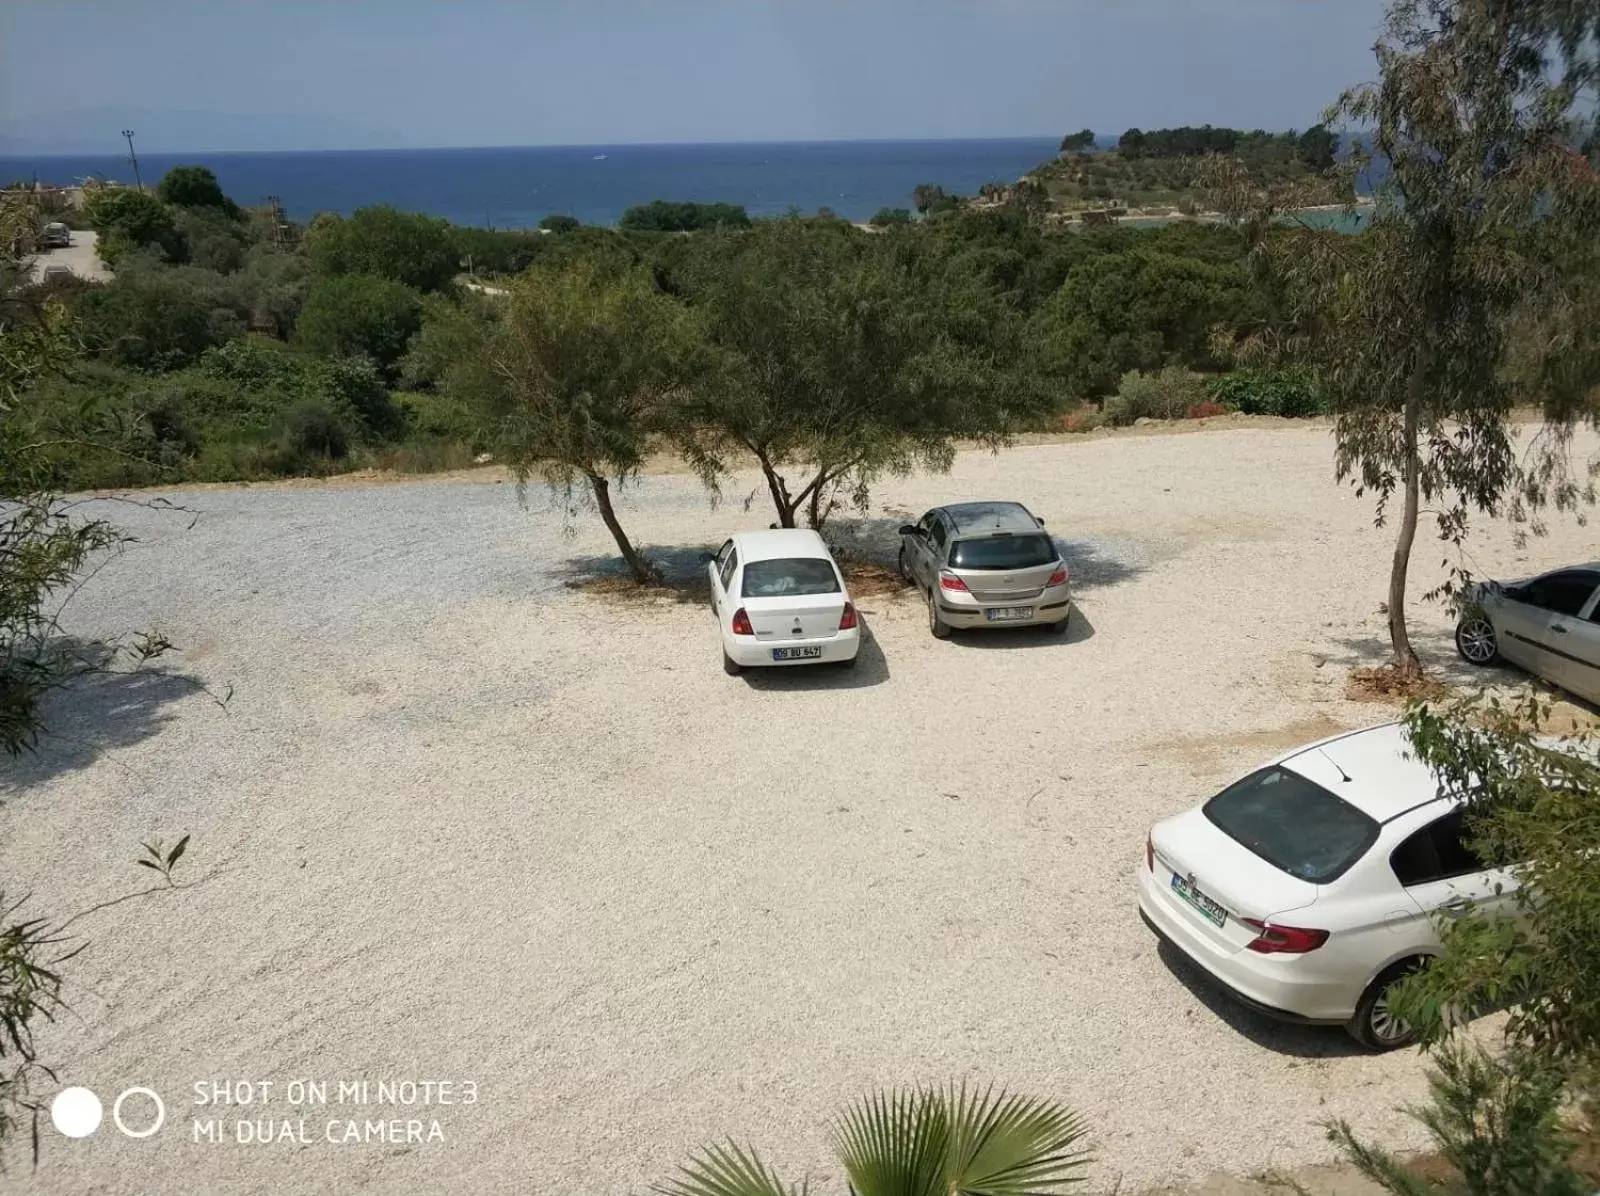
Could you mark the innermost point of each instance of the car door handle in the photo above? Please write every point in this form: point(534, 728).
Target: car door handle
point(1559, 629)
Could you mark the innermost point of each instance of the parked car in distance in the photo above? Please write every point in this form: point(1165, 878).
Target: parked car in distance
point(55, 270)
point(1549, 625)
point(986, 564)
point(781, 600)
point(1310, 886)
point(55, 236)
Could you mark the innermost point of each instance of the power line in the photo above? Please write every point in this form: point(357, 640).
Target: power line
point(134, 158)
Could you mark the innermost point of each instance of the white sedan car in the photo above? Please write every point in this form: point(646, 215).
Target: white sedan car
point(780, 600)
point(1550, 625)
point(1311, 885)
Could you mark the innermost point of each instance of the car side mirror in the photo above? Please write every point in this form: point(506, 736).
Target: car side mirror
point(909, 529)
point(1041, 521)
point(707, 557)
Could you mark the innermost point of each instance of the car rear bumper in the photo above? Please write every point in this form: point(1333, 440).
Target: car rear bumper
point(1049, 607)
point(751, 653)
point(1276, 985)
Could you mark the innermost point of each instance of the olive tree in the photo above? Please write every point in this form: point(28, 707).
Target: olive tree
point(589, 359)
point(850, 355)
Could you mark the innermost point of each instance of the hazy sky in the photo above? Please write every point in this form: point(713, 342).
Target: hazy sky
point(252, 74)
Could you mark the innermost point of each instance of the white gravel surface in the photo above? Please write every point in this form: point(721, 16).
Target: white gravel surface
point(463, 823)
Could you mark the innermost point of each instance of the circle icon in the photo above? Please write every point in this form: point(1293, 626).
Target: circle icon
point(161, 1113)
point(76, 1112)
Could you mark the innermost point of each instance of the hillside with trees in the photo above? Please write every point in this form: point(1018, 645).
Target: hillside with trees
point(1154, 172)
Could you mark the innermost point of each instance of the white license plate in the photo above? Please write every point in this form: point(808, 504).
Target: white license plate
point(1208, 908)
point(1007, 614)
point(796, 653)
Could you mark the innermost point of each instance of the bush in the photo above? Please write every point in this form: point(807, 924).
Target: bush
point(1167, 395)
point(360, 315)
point(659, 216)
point(154, 317)
point(557, 222)
point(1290, 393)
point(1205, 409)
point(195, 187)
point(128, 220)
point(383, 242)
point(315, 430)
point(1085, 419)
point(884, 217)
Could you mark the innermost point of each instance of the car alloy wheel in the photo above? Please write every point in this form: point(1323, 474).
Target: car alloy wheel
point(1475, 640)
point(936, 624)
point(1386, 1027)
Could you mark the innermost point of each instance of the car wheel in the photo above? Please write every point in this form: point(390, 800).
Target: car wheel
point(730, 666)
point(851, 663)
point(936, 623)
point(1059, 627)
point(1475, 640)
point(900, 565)
point(1374, 1025)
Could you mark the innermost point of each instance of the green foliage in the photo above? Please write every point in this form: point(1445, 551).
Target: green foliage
point(128, 220)
point(1168, 394)
point(659, 216)
point(921, 1142)
point(1287, 392)
point(196, 187)
point(155, 317)
point(496, 251)
point(414, 250)
point(317, 431)
point(1496, 1121)
point(591, 361)
point(848, 355)
point(273, 286)
point(359, 315)
point(213, 240)
point(1080, 142)
point(556, 222)
point(884, 217)
point(930, 199)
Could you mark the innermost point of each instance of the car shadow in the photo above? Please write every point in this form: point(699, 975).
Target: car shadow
point(1286, 1038)
point(871, 668)
point(1079, 629)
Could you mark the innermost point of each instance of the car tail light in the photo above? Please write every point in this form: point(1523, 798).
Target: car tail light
point(847, 620)
point(1283, 940)
point(1149, 853)
point(1058, 578)
point(741, 623)
point(949, 581)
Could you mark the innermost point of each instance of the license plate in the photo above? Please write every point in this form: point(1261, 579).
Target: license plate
point(796, 653)
point(1209, 909)
point(1007, 614)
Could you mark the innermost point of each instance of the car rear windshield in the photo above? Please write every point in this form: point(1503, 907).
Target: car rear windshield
point(1293, 824)
point(789, 578)
point(1002, 552)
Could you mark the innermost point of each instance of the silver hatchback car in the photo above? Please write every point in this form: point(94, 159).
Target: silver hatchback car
point(986, 564)
point(1550, 625)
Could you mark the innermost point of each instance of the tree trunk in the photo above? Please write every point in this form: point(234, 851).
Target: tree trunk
point(780, 493)
point(1405, 658)
point(602, 499)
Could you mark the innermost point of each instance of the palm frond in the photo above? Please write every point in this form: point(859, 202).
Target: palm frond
point(727, 1171)
point(895, 1143)
point(1004, 1145)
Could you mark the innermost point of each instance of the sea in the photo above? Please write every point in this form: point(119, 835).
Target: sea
point(518, 187)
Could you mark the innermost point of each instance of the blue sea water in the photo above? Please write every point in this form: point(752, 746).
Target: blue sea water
point(518, 187)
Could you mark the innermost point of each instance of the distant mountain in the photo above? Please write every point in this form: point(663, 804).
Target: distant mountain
point(99, 131)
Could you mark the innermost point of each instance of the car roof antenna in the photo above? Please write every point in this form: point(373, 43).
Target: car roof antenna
point(1343, 775)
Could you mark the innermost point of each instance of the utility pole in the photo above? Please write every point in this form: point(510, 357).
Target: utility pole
point(134, 158)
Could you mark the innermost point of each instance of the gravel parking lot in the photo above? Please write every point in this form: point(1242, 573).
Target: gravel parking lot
point(464, 822)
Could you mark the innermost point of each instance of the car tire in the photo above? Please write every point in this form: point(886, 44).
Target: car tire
point(1477, 642)
point(731, 666)
point(1372, 1025)
point(936, 623)
point(1059, 627)
point(851, 663)
point(900, 565)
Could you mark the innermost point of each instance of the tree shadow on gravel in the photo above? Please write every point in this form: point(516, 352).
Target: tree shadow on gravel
point(1437, 650)
point(92, 715)
point(1286, 1038)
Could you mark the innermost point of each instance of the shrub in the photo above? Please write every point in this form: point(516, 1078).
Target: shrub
point(884, 217)
point(558, 222)
point(1205, 409)
point(195, 187)
point(315, 430)
point(1166, 395)
point(359, 315)
point(387, 243)
point(659, 216)
point(1086, 419)
point(1287, 392)
point(129, 220)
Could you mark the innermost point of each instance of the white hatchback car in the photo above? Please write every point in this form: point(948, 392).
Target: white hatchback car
point(1310, 886)
point(780, 599)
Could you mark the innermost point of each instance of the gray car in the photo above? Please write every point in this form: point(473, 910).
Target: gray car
point(986, 564)
point(1550, 625)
